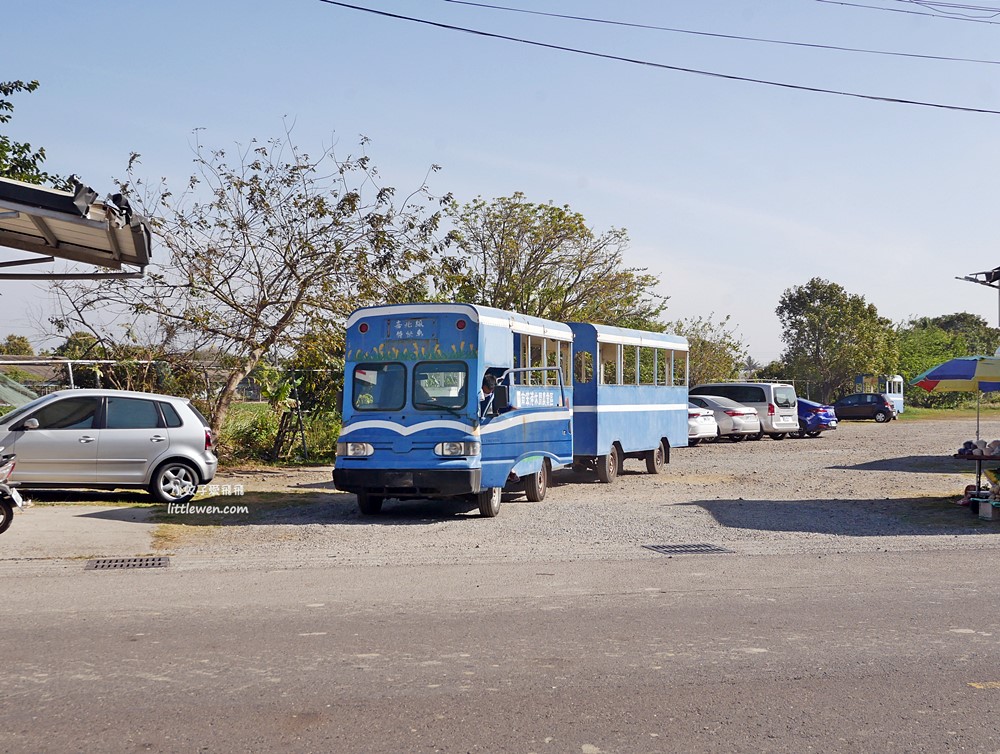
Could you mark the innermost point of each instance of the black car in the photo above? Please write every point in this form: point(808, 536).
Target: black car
point(865, 406)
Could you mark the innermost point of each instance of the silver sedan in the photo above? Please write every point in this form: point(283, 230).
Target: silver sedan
point(735, 420)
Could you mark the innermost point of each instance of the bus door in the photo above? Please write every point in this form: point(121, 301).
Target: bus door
point(534, 423)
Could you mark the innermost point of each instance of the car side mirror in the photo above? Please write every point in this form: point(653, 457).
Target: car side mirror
point(30, 424)
point(501, 399)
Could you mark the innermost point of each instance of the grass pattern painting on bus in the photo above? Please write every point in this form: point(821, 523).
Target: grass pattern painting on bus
point(417, 353)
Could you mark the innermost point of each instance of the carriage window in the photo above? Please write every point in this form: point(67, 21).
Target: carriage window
point(647, 366)
point(608, 354)
point(680, 368)
point(630, 361)
point(584, 367)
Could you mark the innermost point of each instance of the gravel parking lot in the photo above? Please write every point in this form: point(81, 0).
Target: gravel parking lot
point(864, 487)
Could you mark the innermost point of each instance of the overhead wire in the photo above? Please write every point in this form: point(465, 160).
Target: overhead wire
point(737, 37)
point(911, 12)
point(663, 66)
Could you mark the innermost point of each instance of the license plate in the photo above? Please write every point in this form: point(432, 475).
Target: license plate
point(16, 497)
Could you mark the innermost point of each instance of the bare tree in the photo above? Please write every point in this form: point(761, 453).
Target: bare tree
point(257, 247)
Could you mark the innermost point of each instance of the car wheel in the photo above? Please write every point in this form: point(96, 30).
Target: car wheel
point(655, 459)
point(489, 502)
point(881, 417)
point(736, 438)
point(536, 484)
point(757, 436)
point(777, 436)
point(608, 466)
point(174, 482)
point(368, 504)
point(692, 441)
point(6, 515)
point(813, 434)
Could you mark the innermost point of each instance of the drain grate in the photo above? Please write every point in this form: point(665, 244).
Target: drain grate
point(117, 564)
point(684, 549)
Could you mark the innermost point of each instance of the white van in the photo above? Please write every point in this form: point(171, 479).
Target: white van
point(775, 402)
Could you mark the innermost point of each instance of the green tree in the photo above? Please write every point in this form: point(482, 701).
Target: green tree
point(717, 353)
point(16, 345)
point(832, 336)
point(83, 345)
point(19, 160)
point(261, 244)
point(543, 260)
point(927, 341)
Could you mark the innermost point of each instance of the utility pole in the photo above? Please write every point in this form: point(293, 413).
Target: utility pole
point(989, 278)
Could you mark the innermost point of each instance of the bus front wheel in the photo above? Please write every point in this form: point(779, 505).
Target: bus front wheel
point(536, 485)
point(489, 502)
point(608, 466)
point(369, 505)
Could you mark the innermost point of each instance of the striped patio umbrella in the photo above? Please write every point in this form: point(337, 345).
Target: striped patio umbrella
point(963, 374)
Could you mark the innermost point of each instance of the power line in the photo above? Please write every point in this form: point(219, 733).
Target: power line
point(663, 66)
point(911, 12)
point(716, 35)
point(952, 8)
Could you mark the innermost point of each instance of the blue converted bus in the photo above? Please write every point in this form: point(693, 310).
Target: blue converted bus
point(419, 420)
point(416, 423)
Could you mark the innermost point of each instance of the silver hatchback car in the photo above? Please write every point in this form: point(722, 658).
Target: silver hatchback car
point(103, 439)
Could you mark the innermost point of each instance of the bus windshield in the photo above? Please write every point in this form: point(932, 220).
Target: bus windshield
point(440, 385)
point(379, 387)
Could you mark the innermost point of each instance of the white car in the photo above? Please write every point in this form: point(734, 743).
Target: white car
point(103, 439)
point(701, 424)
point(735, 420)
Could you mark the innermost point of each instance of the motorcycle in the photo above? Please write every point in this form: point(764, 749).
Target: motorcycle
point(9, 496)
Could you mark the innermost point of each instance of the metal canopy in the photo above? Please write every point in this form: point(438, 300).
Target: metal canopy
point(71, 225)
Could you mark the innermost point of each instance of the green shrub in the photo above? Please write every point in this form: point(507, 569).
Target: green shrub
point(249, 432)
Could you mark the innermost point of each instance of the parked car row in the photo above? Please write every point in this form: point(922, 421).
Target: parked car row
point(739, 410)
point(106, 439)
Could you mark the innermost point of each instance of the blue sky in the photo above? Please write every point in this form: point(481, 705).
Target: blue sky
point(731, 192)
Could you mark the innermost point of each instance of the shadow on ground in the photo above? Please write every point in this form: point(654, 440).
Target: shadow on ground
point(284, 509)
point(851, 518)
point(916, 464)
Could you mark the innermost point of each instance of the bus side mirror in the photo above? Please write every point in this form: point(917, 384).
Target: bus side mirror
point(501, 399)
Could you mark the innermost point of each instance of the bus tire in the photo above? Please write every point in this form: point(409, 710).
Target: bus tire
point(369, 505)
point(489, 502)
point(608, 466)
point(655, 459)
point(537, 484)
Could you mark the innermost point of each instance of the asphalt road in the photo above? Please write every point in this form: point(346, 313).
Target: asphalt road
point(888, 652)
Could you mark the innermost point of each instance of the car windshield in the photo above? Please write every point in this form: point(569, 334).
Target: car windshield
point(22, 410)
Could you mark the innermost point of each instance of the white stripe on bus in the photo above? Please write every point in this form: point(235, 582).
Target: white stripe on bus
point(497, 425)
point(622, 408)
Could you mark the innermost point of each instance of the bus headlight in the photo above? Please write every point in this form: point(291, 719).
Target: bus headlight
point(457, 449)
point(354, 449)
